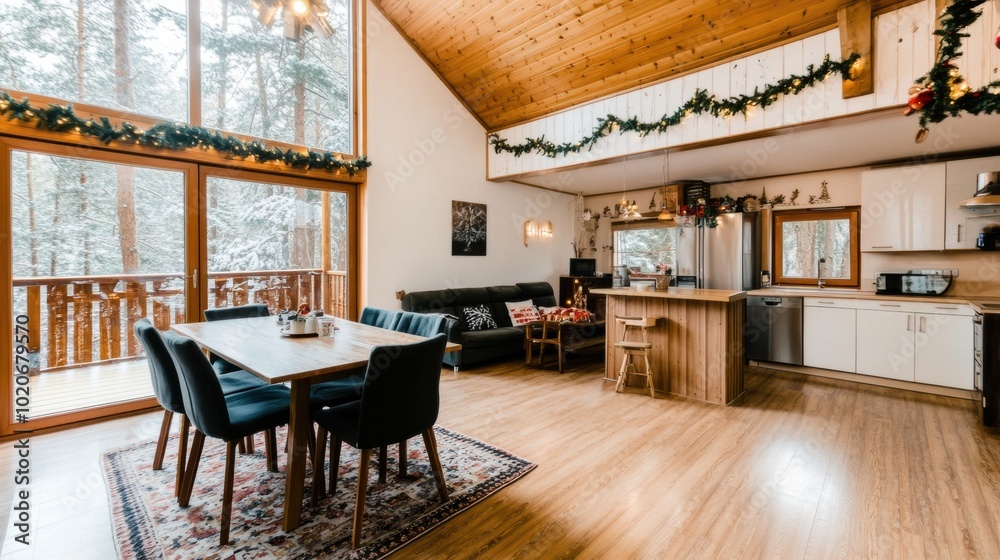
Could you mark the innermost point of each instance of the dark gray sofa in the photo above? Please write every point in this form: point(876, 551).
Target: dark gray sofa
point(478, 346)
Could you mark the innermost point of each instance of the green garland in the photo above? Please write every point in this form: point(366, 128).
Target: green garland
point(171, 136)
point(942, 92)
point(701, 103)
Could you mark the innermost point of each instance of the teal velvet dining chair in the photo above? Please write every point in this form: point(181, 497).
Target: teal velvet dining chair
point(166, 388)
point(237, 312)
point(421, 324)
point(399, 400)
point(227, 417)
point(382, 318)
point(340, 391)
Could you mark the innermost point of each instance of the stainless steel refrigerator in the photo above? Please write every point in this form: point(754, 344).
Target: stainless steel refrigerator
point(726, 257)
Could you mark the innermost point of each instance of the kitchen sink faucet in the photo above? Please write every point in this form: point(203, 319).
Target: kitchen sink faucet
point(819, 277)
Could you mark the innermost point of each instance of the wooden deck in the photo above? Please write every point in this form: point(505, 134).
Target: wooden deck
point(79, 388)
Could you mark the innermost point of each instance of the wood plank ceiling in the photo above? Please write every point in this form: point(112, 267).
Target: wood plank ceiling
point(515, 60)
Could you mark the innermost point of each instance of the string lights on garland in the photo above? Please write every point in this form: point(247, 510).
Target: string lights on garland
point(172, 136)
point(943, 92)
point(700, 104)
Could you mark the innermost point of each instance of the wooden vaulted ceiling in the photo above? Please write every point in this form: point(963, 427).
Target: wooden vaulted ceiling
point(515, 60)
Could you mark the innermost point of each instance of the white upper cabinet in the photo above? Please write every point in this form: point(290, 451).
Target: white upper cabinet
point(963, 225)
point(902, 208)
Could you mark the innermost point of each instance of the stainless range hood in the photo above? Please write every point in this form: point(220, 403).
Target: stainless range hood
point(988, 193)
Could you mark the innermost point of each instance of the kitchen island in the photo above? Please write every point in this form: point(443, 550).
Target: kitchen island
point(697, 342)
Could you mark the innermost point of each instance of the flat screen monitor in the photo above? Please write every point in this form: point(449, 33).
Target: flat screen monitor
point(582, 267)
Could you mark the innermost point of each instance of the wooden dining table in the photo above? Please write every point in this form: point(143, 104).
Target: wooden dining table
point(257, 345)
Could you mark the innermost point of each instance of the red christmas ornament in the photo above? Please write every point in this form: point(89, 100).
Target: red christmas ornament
point(996, 40)
point(921, 98)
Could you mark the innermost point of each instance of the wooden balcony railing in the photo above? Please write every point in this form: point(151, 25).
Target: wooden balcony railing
point(88, 319)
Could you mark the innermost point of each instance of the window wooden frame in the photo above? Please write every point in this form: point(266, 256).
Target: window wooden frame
point(353, 262)
point(192, 301)
point(809, 215)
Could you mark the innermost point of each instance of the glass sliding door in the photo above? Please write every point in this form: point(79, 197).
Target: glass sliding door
point(279, 243)
point(96, 243)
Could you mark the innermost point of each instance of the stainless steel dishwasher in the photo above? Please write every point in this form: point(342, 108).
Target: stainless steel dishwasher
point(774, 329)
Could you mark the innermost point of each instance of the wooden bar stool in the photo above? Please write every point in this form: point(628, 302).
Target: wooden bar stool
point(632, 347)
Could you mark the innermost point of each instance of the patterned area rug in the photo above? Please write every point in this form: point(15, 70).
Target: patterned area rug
point(149, 524)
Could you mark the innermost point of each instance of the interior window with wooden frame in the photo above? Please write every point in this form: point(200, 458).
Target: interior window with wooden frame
point(814, 244)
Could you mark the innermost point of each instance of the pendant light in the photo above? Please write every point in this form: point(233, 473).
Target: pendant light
point(630, 209)
point(297, 16)
point(665, 214)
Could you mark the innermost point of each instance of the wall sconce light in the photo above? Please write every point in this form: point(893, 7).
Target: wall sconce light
point(536, 229)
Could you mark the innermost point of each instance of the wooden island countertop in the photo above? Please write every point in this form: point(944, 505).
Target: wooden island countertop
point(676, 293)
point(698, 346)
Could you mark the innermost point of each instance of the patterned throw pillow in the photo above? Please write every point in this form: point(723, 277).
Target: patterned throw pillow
point(522, 312)
point(479, 318)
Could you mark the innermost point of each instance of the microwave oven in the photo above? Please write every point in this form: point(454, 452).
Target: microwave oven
point(911, 283)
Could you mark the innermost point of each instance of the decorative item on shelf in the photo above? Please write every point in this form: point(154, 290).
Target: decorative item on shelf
point(942, 92)
point(824, 195)
point(297, 16)
point(795, 196)
point(763, 196)
point(705, 211)
point(696, 191)
point(171, 136)
point(536, 229)
point(747, 203)
point(778, 200)
point(700, 103)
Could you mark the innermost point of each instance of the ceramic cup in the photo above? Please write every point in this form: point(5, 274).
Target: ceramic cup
point(311, 326)
point(295, 326)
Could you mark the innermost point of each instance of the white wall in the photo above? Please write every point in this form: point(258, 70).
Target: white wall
point(427, 150)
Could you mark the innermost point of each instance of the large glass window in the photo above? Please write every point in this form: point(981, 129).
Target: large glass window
point(810, 245)
point(277, 244)
point(256, 82)
point(96, 246)
point(131, 56)
point(126, 55)
point(646, 248)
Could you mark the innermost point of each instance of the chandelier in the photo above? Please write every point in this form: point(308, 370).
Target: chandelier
point(297, 15)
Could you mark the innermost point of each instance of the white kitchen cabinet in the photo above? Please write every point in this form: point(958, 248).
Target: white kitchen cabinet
point(944, 350)
point(829, 334)
point(902, 208)
point(963, 225)
point(885, 344)
point(921, 342)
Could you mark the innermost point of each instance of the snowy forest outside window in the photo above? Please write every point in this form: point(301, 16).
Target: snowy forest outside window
point(132, 57)
point(97, 244)
point(649, 248)
point(816, 244)
point(266, 245)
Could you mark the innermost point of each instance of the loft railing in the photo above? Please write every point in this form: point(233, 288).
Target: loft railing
point(80, 320)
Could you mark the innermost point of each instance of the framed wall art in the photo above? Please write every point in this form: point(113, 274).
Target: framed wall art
point(468, 228)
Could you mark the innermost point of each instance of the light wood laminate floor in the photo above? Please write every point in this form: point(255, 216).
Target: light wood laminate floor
point(803, 467)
